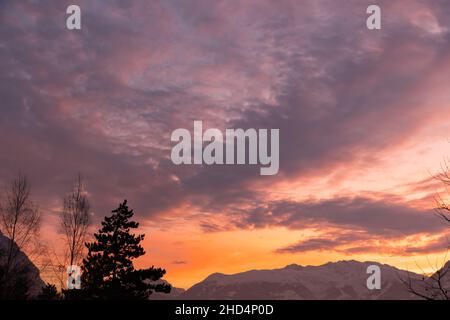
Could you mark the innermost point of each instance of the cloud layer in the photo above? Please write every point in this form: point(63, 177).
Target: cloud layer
point(104, 101)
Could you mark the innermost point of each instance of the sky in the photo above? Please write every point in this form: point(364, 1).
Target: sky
point(363, 118)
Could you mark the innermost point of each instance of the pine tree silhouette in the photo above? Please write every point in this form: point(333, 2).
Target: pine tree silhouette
point(108, 271)
point(49, 292)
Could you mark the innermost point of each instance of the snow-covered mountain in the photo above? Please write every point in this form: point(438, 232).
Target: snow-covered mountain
point(34, 280)
point(338, 280)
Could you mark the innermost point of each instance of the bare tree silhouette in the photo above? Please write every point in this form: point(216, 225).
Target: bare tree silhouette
point(19, 221)
point(75, 221)
point(437, 285)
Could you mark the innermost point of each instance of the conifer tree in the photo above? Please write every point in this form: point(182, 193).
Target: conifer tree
point(49, 292)
point(108, 271)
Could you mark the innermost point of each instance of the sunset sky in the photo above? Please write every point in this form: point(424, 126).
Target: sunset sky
point(364, 120)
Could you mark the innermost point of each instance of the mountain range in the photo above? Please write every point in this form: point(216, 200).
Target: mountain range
point(342, 280)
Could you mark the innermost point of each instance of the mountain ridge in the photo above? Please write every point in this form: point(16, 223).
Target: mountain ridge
point(343, 279)
point(33, 274)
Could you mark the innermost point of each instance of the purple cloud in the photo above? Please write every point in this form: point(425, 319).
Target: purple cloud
point(103, 101)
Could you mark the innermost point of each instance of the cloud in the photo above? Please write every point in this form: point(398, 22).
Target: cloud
point(438, 245)
point(350, 243)
point(348, 225)
point(104, 101)
point(328, 243)
point(374, 216)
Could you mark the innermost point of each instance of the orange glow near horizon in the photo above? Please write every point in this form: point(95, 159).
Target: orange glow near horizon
point(189, 261)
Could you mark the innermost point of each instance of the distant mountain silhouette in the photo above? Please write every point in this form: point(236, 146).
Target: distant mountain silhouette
point(339, 280)
point(35, 282)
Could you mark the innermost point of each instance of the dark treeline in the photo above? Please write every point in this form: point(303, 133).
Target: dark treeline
point(106, 262)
